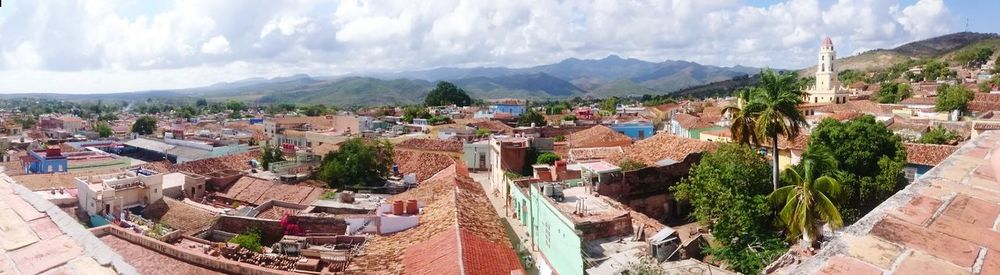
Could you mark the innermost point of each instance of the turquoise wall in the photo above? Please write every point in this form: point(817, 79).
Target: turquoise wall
point(554, 235)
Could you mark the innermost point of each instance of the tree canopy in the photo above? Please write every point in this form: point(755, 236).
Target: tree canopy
point(145, 125)
point(893, 93)
point(358, 162)
point(547, 158)
point(871, 157)
point(103, 129)
point(974, 57)
point(529, 117)
point(411, 112)
point(953, 97)
point(446, 94)
point(610, 105)
point(728, 192)
point(938, 135)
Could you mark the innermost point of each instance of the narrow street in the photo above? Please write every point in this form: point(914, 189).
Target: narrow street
point(521, 232)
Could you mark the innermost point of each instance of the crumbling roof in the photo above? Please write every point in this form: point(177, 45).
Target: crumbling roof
point(943, 223)
point(453, 203)
point(597, 136)
point(178, 215)
point(927, 154)
point(664, 146)
point(456, 251)
point(431, 144)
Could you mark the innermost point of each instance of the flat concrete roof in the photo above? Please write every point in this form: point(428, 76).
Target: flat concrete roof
point(594, 207)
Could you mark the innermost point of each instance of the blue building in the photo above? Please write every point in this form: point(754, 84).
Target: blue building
point(635, 130)
point(512, 108)
point(53, 161)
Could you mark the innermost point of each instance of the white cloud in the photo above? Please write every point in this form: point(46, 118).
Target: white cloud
point(62, 39)
point(216, 45)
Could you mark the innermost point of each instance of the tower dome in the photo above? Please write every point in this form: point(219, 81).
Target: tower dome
point(827, 42)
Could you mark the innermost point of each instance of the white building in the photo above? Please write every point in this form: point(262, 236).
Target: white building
point(827, 89)
point(111, 193)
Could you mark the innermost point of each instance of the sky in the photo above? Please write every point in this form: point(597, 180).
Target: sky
point(91, 46)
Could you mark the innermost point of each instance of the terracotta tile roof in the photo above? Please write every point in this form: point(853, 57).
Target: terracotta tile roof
point(927, 154)
point(238, 162)
point(942, 223)
point(494, 126)
point(863, 106)
point(799, 143)
point(256, 191)
point(57, 180)
point(986, 126)
point(456, 251)
point(691, 122)
point(664, 146)
point(424, 164)
point(711, 114)
point(431, 144)
point(453, 202)
point(919, 101)
point(179, 215)
point(597, 136)
point(579, 154)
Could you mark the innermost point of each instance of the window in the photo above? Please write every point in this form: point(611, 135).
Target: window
point(642, 134)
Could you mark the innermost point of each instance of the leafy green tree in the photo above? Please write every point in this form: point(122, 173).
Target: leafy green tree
point(529, 117)
point(893, 92)
point(201, 103)
point(610, 105)
point(953, 97)
point(107, 117)
point(446, 94)
point(358, 162)
point(315, 110)
point(270, 154)
point(935, 70)
point(250, 239)
point(145, 125)
point(236, 106)
point(938, 135)
point(849, 76)
point(483, 132)
point(768, 110)
point(728, 192)
point(871, 158)
point(103, 129)
point(806, 202)
point(547, 158)
point(411, 112)
point(435, 120)
point(569, 118)
point(974, 57)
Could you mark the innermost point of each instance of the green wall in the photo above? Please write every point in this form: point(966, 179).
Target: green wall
point(554, 235)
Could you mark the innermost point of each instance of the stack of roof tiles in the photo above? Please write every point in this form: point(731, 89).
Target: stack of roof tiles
point(458, 233)
point(597, 136)
point(664, 146)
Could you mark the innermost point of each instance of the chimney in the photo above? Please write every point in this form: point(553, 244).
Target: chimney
point(559, 170)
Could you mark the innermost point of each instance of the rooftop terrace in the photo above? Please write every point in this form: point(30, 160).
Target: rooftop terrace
point(582, 206)
point(943, 223)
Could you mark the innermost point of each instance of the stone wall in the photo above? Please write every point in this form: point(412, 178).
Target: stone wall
point(616, 227)
point(271, 230)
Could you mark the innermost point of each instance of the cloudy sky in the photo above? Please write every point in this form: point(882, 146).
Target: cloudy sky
point(127, 45)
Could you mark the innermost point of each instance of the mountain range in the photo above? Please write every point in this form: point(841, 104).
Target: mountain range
point(596, 78)
point(610, 76)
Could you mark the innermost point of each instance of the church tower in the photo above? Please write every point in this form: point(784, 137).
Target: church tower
point(826, 89)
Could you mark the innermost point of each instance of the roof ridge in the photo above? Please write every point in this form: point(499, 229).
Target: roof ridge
point(458, 230)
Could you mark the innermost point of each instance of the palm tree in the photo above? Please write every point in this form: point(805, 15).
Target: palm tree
point(768, 110)
point(807, 201)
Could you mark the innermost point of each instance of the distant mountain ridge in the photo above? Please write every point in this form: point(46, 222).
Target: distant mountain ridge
point(610, 76)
